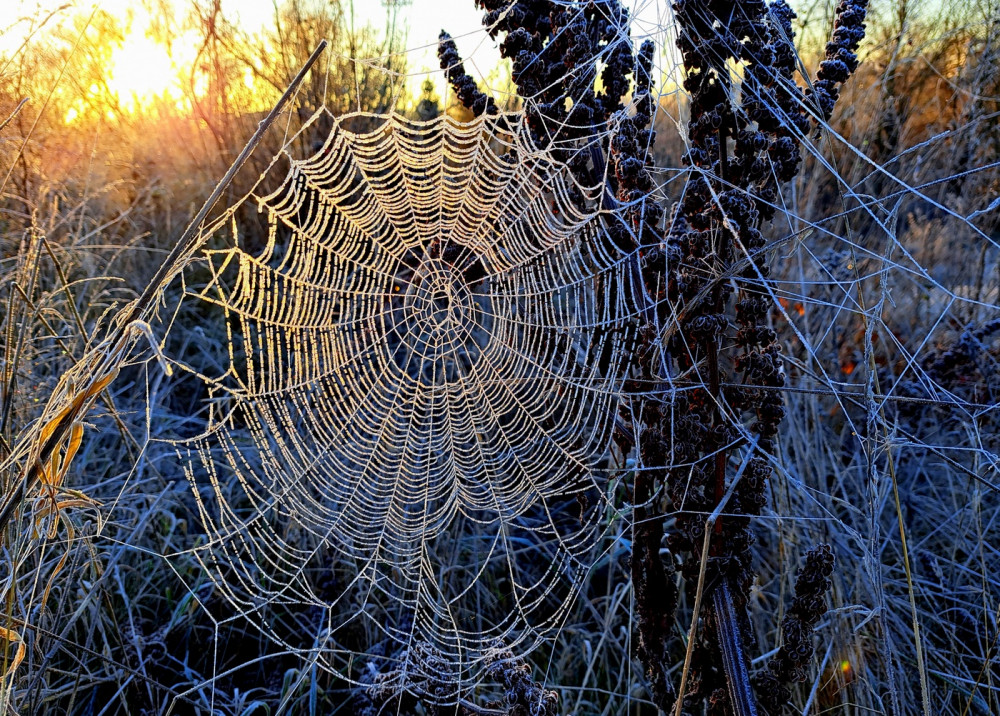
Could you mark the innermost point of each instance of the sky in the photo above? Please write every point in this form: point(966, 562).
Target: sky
point(422, 20)
point(141, 61)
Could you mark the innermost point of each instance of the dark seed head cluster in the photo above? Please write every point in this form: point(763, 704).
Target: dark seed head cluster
point(707, 372)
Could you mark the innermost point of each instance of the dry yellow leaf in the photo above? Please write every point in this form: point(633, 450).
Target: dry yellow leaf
point(12, 636)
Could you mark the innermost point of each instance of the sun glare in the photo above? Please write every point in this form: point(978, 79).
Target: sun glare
point(141, 70)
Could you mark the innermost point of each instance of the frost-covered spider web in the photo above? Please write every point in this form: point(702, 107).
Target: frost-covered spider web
point(417, 396)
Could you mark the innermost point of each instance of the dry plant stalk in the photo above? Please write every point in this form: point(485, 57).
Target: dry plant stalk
point(743, 144)
point(59, 429)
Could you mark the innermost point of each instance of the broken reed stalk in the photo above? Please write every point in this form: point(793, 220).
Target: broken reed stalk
point(103, 362)
point(190, 235)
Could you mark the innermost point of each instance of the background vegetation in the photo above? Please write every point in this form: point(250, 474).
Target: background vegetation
point(888, 283)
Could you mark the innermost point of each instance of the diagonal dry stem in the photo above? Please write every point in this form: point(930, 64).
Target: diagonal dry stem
point(106, 357)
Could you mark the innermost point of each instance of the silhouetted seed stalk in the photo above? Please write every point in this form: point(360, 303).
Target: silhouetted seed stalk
point(748, 117)
point(465, 87)
point(791, 662)
point(740, 152)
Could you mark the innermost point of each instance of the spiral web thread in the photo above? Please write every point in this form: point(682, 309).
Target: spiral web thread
point(423, 368)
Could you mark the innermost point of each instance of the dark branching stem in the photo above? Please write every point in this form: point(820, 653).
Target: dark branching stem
point(741, 150)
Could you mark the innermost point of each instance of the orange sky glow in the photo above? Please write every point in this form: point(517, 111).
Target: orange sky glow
point(143, 69)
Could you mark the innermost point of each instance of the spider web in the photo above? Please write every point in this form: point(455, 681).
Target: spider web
point(421, 382)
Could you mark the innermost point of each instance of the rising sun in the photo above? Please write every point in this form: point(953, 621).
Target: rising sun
point(142, 69)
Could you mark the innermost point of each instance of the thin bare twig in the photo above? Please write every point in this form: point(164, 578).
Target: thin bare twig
point(17, 110)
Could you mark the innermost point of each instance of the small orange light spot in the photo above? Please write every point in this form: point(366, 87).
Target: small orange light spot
point(848, 368)
point(847, 671)
point(800, 309)
point(783, 302)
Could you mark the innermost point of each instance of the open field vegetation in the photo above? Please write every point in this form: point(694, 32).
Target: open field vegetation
point(776, 427)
